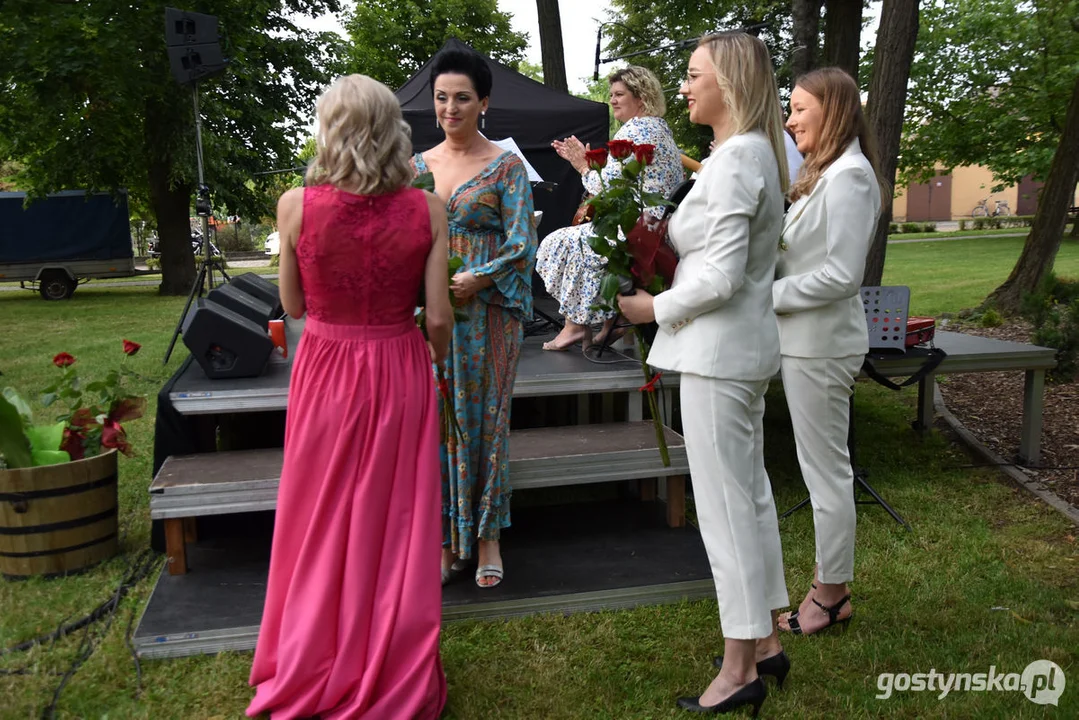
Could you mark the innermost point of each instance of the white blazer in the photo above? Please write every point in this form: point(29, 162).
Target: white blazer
point(826, 236)
point(716, 320)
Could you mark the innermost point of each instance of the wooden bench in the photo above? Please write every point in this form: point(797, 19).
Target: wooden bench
point(217, 483)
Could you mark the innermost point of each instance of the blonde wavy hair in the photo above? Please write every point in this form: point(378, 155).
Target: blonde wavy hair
point(743, 71)
point(363, 142)
point(842, 120)
point(644, 86)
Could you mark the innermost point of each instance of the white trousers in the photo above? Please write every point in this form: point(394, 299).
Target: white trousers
point(818, 394)
point(722, 421)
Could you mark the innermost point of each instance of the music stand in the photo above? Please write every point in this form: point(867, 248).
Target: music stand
point(860, 475)
point(886, 311)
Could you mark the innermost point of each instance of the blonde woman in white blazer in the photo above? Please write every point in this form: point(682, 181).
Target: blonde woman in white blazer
point(822, 332)
point(717, 328)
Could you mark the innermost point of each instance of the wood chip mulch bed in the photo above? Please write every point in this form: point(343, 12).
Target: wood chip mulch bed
point(990, 405)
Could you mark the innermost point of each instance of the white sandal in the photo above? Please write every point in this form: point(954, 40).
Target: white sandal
point(489, 571)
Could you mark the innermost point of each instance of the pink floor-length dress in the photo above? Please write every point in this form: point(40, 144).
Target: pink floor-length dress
point(351, 624)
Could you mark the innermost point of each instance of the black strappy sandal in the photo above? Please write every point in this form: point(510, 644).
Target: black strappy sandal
point(833, 617)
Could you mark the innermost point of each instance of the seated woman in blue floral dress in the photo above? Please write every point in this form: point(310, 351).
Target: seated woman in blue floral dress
point(570, 269)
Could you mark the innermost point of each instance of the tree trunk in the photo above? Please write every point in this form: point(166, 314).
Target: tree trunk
point(887, 101)
point(843, 34)
point(172, 206)
point(806, 35)
point(1043, 242)
point(554, 57)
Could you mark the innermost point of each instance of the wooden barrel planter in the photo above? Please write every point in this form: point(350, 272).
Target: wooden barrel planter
point(58, 519)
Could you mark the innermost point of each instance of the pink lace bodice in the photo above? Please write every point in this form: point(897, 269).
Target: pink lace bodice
point(362, 257)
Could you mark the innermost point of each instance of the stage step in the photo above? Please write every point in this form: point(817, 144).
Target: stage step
point(188, 486)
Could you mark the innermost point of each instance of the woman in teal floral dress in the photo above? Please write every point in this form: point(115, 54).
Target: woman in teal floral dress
point(489, 204)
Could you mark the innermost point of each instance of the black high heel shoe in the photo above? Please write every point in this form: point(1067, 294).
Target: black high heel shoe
point(753, 694)
point(776, 666)
point(833, 617)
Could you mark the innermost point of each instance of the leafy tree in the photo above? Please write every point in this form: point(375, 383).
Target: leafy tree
point(842, 35)
point(995, 84)
point(644, 25)
point(89, 102)
point(990, 86)
point(531, 70)
point(392, 39)
point(1042, 244)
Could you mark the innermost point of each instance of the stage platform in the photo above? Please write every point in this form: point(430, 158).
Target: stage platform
point(580, 557)
point(543, 373)
point(540, 373)
point(559, 558)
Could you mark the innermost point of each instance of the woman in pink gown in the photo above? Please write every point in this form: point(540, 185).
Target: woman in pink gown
point(351, 624)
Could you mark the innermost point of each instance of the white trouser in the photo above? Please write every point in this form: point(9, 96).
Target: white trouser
point(818, 394)
point(722, 420)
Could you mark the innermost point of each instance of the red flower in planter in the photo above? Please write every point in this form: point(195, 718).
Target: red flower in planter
point(113, 436)
point(88, 425)
point(620, 149)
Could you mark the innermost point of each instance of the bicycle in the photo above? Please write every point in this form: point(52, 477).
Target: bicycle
point(1000, 209)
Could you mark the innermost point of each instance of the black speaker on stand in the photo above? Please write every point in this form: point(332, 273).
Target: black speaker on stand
point(194, 53)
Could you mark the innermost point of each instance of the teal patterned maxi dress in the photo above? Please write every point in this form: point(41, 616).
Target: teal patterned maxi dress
point(491, 229)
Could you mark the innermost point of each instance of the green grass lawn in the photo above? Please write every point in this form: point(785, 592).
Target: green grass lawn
point(988, 577)
point(949, 276)
point(958, 233)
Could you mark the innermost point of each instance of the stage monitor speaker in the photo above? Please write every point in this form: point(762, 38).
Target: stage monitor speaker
point(261, 288)
point(193, 45)
point(224, 343)
point(251, 307)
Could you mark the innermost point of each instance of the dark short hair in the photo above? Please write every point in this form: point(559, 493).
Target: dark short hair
point(463, 62)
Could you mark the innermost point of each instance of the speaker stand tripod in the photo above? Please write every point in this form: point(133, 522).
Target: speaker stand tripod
point(860, 475)
point(203, 208)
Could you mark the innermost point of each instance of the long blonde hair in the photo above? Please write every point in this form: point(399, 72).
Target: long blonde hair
point(363, 142)
point(842, 121)
point(744, 74)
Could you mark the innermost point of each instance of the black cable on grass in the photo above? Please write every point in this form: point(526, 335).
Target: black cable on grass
point(142, 569)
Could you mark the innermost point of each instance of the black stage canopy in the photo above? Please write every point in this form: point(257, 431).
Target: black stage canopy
point(530, 113)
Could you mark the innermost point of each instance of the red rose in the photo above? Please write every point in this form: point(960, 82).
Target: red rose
point(620, 149)
point(62, 360)
point(73, 444)
point(130, 348)
point(113, 436)
point(644, 153)
point(597, 159)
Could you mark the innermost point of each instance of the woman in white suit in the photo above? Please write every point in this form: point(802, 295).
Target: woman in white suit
point(717, 328)
point(822, 331)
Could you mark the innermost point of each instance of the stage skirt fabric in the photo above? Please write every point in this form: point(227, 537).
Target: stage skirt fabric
point(351, 623)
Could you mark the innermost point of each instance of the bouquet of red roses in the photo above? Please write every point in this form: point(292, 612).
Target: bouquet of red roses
point(632, 240)
point(624, 233)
